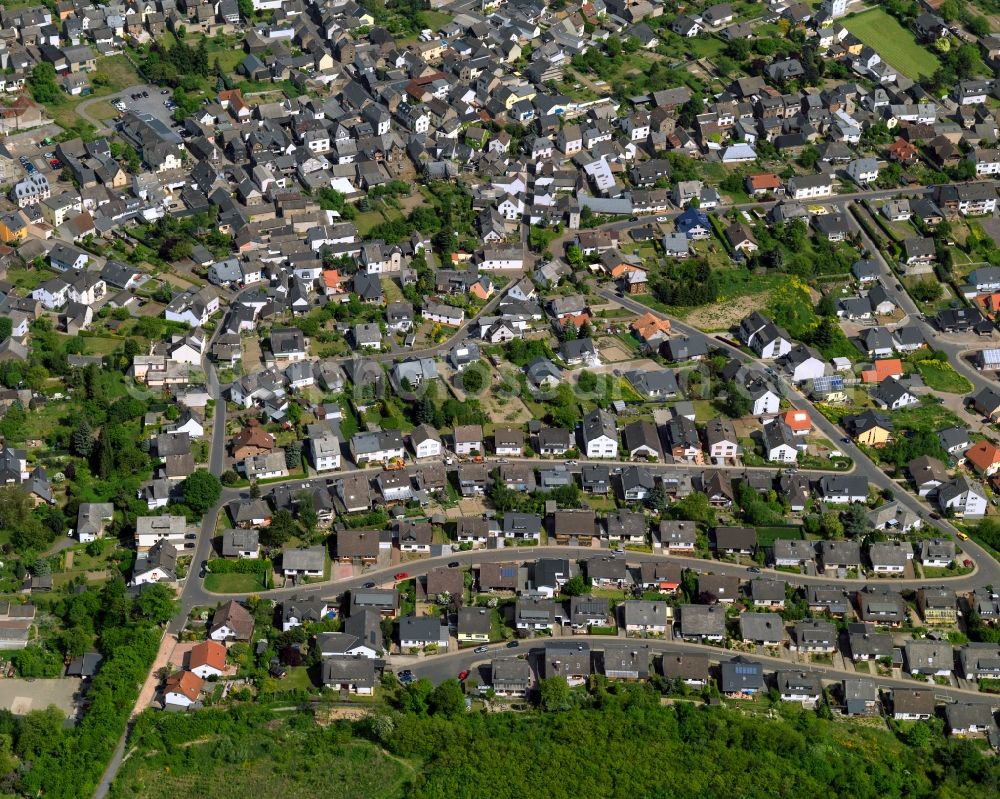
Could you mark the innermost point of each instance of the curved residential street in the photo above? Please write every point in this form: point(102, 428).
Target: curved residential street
point(439, 667)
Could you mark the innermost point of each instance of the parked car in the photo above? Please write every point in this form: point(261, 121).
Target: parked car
point(454, 564)
point(462, 675)
point(513, 644)
point(480, 649)
point(400, 575)
point(369, 584)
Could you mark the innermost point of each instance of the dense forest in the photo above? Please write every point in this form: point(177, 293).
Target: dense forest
point(620, 742)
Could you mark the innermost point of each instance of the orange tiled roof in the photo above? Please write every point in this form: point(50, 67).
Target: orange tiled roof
point(648, 325)
point(208, 653)
point(798, 420)
point(887, 367)
point(766, 180)
point(983, 455)
point(989, 302)
point(185, 682)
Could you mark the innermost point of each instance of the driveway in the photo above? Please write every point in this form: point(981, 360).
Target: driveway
point(148, 690)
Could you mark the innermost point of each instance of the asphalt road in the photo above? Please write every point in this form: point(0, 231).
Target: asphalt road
point(989, 569)
point(438, 668)
point(330, 589)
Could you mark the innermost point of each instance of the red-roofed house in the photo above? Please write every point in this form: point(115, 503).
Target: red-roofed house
point(887, 367)
point(990, 303)
point(207, 658)
point(798, 422)
point(902, 151)
point(764, 183)
point(182, 689)
point(649, 327)
point(333, 282)
point(984, 457)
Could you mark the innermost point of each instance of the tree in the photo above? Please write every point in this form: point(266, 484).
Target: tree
point(978, 26)
point(42, 83)
point(308, 516)
point(281, 528)
point(694, 507)
point(473, 380)
point(809, 157)
point(553, 693)
point(75, 641)
point(82, 440)
point(926, 290)
point(855, 520)
point(830, 525)
point(415, 697)
point(738, 402)
point(826, 306)
point(657, 499)
point(574, 586)
point(201, 490)
point(293, 455)
point(157, 603)
point(447, 699)
point(587, 381)
point(246, 8)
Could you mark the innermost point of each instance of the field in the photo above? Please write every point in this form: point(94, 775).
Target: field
point(262, 766)
point(119, 73)
point(766, 535)
point(893, 42)
point(928, 416)
point(942, 377)
point(233, 583)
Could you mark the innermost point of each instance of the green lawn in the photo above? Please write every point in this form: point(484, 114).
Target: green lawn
point(705, 46)
point(942, 377)
point(101, 345)
point(435, 19)
point(119, 74)
point(233, 583)
point(766, 535)
point(296, 679)
point(42, 422)
point(28, 278)
point(893, 42)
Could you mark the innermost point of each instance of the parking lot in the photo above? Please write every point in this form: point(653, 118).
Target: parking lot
point(152, 103)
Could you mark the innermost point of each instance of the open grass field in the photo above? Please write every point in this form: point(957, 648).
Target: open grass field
point(767, 535)
point(233, 583)
point(942, 377)
point(265, 767)
point(893, 42)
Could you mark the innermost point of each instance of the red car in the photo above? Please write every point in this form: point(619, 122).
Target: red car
point(401, 575)
point(463, 675)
